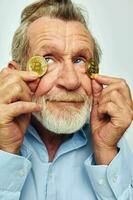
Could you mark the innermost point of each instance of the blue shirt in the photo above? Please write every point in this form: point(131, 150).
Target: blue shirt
point(72, 175)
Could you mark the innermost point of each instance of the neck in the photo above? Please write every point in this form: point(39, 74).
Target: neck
point(51, 140)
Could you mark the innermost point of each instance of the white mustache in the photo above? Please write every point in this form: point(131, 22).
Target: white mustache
point(69, 97)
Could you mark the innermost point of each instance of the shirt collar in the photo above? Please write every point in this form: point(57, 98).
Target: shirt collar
point(82, 134)
point(78, 140)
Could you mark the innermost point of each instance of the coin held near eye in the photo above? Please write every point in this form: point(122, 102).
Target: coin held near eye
point(37, 64)
point(92, 68)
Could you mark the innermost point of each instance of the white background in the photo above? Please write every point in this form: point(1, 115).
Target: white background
point(111, 22)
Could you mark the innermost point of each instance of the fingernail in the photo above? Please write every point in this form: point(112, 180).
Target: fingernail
point(34, 74)
point(95, 76)
point(40, 106)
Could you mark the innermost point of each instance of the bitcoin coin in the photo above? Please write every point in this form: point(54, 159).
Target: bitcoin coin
point(37, 64)
point(92, 68)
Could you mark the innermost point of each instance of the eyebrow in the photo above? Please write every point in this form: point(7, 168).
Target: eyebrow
point(47, 47)
point(83, 50)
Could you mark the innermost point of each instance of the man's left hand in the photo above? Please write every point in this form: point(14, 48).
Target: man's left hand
point(111, 115)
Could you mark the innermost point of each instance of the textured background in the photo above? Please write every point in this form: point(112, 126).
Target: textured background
point(109, 20)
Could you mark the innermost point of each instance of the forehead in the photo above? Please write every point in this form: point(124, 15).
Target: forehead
point(59, 32)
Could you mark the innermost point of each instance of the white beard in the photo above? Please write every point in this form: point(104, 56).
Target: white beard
point(64, 120)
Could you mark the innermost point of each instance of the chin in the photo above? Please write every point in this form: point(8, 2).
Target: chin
point(63, 120)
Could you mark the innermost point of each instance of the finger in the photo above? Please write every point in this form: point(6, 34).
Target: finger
point(33, 85)
point(96, 90)
point(123, 90)
point(14, 88)
point(24, 75)
point(115, 97)
point(11, 78)
point(21, 107)
point(116, 84)
point(15, 92)
point(106, 80)
point(28, 76)
point(117, 115)
point(109, 108)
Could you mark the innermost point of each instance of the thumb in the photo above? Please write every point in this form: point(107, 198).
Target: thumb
point(96, 92)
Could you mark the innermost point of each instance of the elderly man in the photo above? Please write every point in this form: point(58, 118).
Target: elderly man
point(72, 146)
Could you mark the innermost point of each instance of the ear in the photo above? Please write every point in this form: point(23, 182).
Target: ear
point(13, 65)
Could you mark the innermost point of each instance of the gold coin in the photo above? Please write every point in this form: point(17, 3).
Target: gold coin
point(37, 64)
point(92, 68)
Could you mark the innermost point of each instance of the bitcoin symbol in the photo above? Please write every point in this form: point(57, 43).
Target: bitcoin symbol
point(92, 68)
point(37, 64)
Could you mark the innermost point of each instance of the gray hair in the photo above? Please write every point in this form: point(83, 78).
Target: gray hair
point(61, 9)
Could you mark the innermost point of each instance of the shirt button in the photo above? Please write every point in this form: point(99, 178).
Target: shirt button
point(100, 181)
point(21, 173)
point(114, 178)
point(50, 175)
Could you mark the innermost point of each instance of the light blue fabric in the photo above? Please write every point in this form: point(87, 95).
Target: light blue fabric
point(73, 174)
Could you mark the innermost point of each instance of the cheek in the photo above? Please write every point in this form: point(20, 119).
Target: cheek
point(46, 84)
point(86, 84)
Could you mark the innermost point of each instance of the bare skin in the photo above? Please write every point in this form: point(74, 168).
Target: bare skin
point(51, 141)
point(63, 38)
point(66, 42)
point(15, 108)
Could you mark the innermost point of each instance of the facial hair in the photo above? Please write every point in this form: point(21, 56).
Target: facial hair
point(66, 119)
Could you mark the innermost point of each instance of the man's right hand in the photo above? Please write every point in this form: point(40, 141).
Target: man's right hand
point(15, 107)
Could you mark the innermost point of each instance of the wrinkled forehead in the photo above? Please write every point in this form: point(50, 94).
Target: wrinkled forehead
point(50, 28)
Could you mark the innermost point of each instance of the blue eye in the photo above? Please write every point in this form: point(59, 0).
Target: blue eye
point(79, 61)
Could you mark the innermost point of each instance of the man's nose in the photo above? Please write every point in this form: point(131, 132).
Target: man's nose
point(68, 77)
